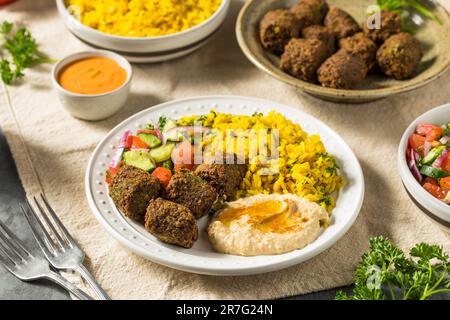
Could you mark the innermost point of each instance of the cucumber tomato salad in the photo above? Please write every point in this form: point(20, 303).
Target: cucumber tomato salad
point(428, 159)
point(159, 150)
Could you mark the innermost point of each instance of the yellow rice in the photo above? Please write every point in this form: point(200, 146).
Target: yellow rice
point(142, 18)
point(304, 167)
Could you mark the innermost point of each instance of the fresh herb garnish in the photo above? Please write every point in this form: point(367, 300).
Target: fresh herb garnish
point(386, 273)
point(400, 6)
point(162, 122)
point(18, 49)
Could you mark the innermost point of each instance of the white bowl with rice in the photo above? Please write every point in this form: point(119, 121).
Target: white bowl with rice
point(147, 49)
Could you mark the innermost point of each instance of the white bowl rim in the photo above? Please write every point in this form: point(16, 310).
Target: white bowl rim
point(223, 5)
point(86, 54)
point(410, 180)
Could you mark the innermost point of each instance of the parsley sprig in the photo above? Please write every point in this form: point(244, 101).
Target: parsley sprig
point(386, 273)
point(19, 51)
point(399, 6)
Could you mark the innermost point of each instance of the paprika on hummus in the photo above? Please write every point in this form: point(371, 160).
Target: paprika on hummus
point(266, 225)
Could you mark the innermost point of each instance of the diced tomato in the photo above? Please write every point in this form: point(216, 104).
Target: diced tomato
point(435, 191)
point(430, 131)
point(183, 156)
point(416, 141)
point(446, 163)
point(111, 172)
point(138, 143)
point(153, 132)
point(445, 183)
point(431, 181)
point(163, 174)
point(129, 142)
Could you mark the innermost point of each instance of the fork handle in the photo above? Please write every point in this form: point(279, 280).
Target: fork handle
point(80, 294)
point(91, 280)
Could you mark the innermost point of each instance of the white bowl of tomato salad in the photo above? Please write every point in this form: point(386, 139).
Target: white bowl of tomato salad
point(424, 163)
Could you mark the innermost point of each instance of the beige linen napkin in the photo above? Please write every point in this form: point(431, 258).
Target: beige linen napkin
point(51, 150)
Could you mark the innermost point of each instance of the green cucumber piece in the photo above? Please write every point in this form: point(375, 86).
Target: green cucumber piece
point(162, 153)
point(139, 159)
point(150, 139)
point(168, 164)
point(434, 172)
point(433, 155)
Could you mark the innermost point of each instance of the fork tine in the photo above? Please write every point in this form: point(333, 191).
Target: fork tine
point(7, 262)
point(48, 222)
point(61, 226)
point(10, 254)
point(45, 243)
point(15, 240)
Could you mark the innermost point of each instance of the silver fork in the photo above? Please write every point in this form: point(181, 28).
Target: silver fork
point(61, 251)
point(18, 260)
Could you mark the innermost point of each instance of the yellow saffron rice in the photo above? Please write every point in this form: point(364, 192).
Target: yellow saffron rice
point(303, 166)
point(142, 18)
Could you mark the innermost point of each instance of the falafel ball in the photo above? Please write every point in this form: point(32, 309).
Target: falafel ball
point(303, 57)
point(224, 178)
point(400, 56)
point(171, 223)
point(390, 25)
point(191, 191)
point(276, 28)
point(359, 44)
point(310, 12)
point(132, 189)
point(321, 33)
point(342, 70)
point(341, 23)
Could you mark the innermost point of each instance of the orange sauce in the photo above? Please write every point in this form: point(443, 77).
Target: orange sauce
point(93, 75)
point(267, 216)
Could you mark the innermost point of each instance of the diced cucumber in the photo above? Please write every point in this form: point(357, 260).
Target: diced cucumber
point(168, 164)
point(162, 153)
point(447, 197)
point(150, 139)
point(433, 155)
point(140, 159)
point(173, 135)
point(434, 172)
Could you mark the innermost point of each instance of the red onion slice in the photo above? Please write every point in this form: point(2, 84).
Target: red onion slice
point(426, 148)
point(123, 140)
point(415, 171)
point(440, 160)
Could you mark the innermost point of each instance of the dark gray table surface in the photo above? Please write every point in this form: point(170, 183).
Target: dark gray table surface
point(11, 195)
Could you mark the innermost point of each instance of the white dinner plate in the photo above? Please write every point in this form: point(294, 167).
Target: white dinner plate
point(201, 258)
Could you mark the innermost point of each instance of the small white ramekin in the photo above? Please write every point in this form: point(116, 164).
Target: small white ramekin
point(93, 107)
point(432, 207)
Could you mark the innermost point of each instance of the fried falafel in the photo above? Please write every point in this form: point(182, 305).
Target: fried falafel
point(132, 189)
point(191, 191)
point(171, 223)
point(342, 70)
point(310, 12)
point(276, 28)
point(303, 57)
point(224, 178)
point(400, 56)
point(341, 23)
point(359, 44)
point(390, 25)
point(321, 33)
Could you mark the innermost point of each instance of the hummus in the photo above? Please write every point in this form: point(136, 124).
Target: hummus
point(266, 225)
